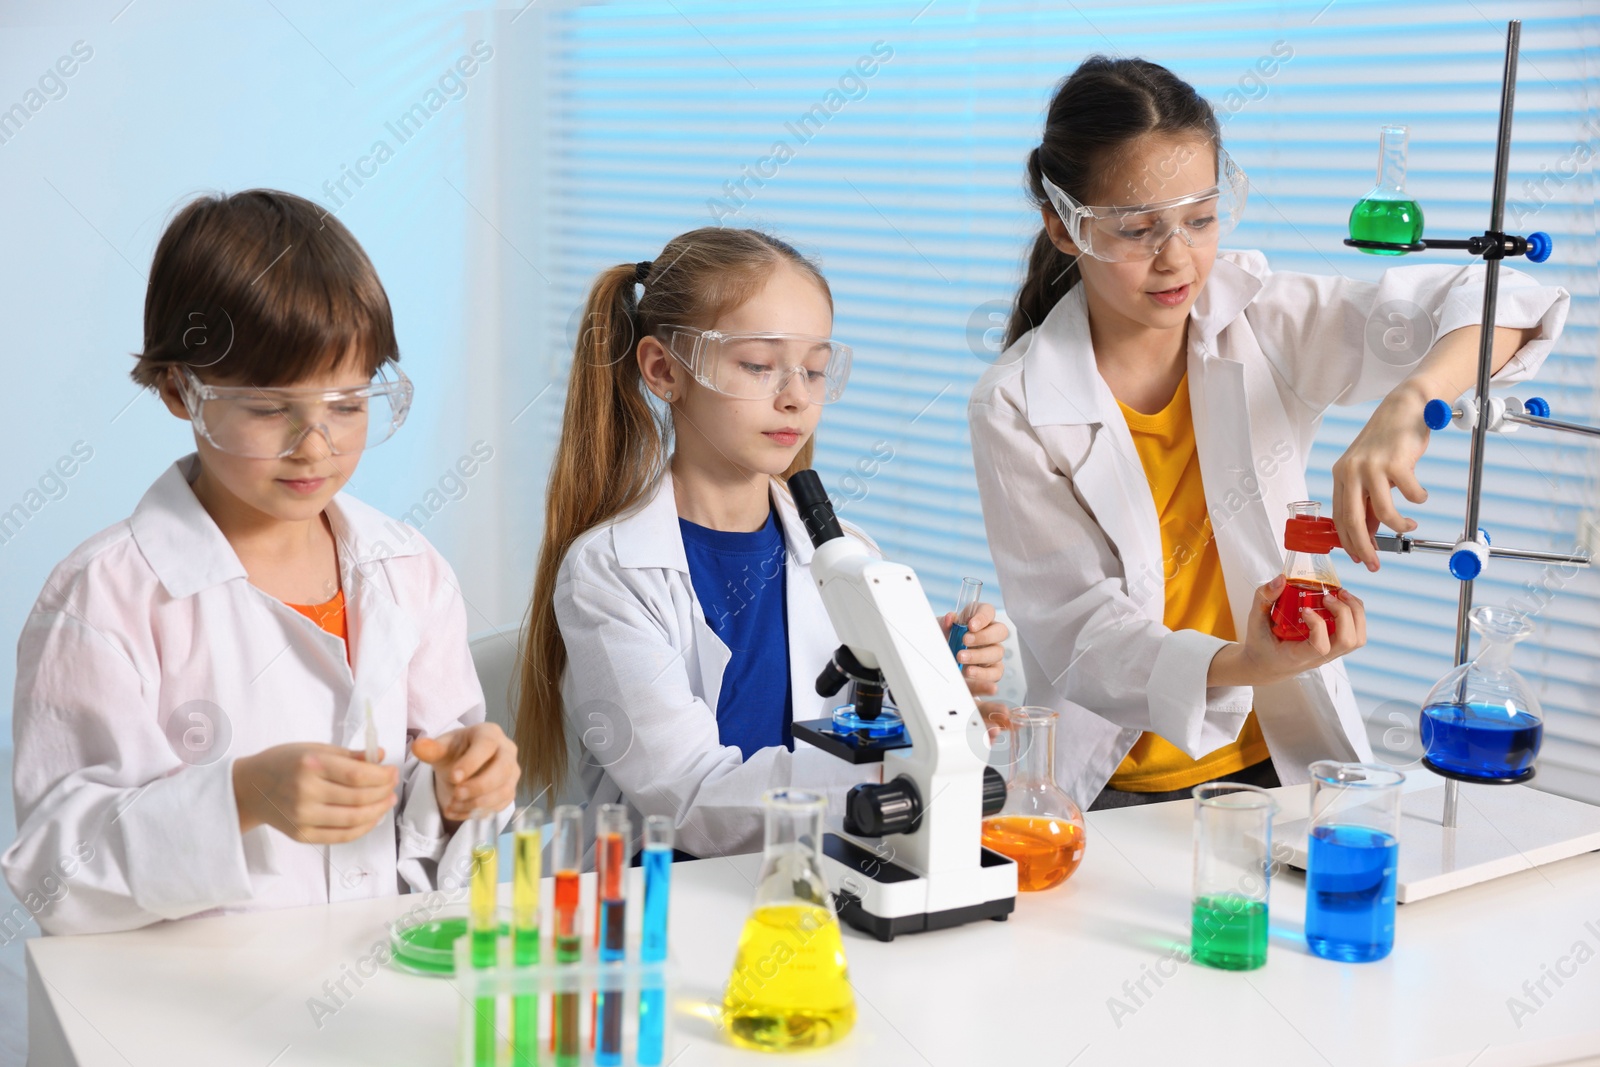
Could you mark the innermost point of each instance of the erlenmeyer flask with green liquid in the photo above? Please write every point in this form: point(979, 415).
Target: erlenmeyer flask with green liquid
point(789, 988)
point(1387, 214)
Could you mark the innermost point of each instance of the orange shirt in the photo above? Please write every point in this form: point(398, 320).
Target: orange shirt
point(330, 616)
point(1196, 596)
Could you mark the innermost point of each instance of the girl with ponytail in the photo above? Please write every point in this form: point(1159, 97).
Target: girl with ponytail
point(1140, 441)
point(675, 632)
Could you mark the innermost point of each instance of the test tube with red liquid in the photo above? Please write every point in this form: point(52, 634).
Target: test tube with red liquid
point(611, 877)
point(566, 857)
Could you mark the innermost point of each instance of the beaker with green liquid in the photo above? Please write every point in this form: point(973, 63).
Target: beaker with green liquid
point(1232, 870)
point(1388, 214)
point(789, 988)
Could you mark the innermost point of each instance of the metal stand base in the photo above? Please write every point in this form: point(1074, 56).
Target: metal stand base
point(1502, 830)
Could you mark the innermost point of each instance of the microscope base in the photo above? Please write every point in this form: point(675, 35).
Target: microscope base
point(884, 899)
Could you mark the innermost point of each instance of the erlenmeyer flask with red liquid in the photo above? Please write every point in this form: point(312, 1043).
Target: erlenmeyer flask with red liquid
point(1307, 571)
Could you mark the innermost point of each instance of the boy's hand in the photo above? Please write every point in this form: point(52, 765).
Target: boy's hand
point(318, 794)
point(474, 769)
point(981, 652)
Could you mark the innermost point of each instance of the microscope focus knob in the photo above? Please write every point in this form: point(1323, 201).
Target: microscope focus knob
point(875, 810)
point(994, 792)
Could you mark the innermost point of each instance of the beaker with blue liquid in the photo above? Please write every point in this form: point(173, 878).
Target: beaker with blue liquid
point(1354, 855)
point(1482, 723)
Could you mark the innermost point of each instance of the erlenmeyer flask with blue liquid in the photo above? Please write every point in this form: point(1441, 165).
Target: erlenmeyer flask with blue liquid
point(1482, 722)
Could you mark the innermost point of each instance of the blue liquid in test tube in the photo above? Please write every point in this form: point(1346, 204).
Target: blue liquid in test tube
point(653, 946)
point(1350, 879)
point(966, 604)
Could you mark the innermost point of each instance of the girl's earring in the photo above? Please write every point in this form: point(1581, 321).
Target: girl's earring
point(669, 396)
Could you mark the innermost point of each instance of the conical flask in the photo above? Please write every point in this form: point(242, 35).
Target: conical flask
point(1040, 827)
point(789, 988)
point(1387, 213)
point(1307, 571)
point(1482, 723)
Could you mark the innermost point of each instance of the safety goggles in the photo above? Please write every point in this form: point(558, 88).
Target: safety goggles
point(1124, 233)
point(270, 423)
point(755, 366)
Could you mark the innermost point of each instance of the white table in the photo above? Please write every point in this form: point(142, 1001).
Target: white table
point(1038, 989)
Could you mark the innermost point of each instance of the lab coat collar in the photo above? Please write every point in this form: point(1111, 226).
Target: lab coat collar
point(650, 535)
point(1062, 384)
point(189, 553)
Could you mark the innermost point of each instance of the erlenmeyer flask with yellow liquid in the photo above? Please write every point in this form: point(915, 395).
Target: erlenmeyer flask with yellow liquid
point(789, 988)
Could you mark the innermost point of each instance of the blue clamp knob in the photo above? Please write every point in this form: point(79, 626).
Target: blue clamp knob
point(1465, 566)
point(1437, 414)
point(1539, 246)
point(1538, 407)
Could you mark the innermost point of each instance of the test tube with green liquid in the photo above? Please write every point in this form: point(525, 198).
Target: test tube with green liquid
point(483, 927)
point(1232, 857)
point(525, 845)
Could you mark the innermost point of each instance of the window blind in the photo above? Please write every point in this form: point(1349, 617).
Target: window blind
point(888, 141)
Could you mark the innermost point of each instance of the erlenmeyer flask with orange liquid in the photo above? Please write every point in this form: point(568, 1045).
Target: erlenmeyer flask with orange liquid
point(1307, 571)
point(1040, 827)
point(789, 988)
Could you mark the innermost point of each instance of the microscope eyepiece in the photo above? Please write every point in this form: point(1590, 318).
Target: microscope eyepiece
point(811, 500)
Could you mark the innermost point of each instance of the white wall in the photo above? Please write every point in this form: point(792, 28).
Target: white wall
point(178, 97)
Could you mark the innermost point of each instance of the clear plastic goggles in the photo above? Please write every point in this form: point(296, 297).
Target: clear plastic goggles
point(270, 423)
point(755, 366)
point(1120, 234)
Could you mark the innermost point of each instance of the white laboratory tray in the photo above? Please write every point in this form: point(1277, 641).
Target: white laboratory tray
point(1501, 829)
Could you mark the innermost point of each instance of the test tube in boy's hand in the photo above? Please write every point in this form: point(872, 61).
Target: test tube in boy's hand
point(372, 736)
point(966, 604)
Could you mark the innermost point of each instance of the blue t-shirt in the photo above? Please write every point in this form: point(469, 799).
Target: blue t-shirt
point(739, 580)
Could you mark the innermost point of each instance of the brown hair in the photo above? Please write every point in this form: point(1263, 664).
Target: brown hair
point(614, 445)
point(261, 288)
point(1101, 109)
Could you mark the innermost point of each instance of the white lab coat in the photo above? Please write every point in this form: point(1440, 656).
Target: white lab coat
point(148, 641)
point(644, 671)
point(1073, 528)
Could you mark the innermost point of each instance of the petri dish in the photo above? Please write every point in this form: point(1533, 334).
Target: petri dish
point(425, 944)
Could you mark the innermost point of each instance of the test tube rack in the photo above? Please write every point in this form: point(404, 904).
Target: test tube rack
point(582, 978)
point(1506, 828)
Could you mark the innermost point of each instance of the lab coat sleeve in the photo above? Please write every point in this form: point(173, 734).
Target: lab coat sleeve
point(443, 694)
point(625, 675)
point(1064, 590)
point(1318, 330)
point(114, 832)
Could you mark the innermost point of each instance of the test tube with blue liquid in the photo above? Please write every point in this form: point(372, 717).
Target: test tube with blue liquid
point(658, 844)
point(612, 831)
point(966, 604)
point(1354, 855)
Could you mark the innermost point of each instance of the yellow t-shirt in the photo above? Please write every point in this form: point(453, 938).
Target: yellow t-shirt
point(1196, 596)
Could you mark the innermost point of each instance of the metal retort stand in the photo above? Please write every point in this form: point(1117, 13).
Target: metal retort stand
point(1465, 831)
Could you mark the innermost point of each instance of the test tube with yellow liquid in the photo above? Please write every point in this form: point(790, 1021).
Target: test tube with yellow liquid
point(526, 842)
point(789, 988)
point(483, 927)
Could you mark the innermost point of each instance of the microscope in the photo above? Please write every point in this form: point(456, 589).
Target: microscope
point(911, 856)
